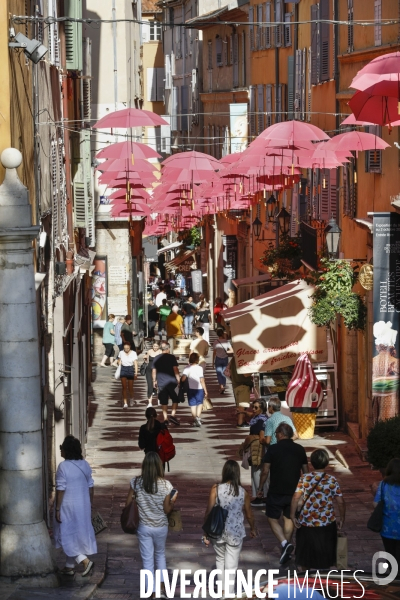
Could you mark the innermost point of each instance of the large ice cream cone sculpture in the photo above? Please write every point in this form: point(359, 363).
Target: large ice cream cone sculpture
point(304, 396)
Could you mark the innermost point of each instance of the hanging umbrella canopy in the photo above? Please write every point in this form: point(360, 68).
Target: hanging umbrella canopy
point(351, 120)
point(377, 70)
point(124, 164)
point(121, 183)
point(356, 141)
point(128, 118)
point(121, 210)
point(192, 161)
point(292, 134)
point(136, 193)
point(186, 176)
point(231, 158)
point(127, 150)
point(380, 110)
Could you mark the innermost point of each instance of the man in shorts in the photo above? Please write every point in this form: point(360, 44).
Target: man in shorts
point(165, 375)
point(285, 460)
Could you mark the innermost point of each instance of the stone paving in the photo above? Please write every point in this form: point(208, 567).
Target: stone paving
point(114, 455)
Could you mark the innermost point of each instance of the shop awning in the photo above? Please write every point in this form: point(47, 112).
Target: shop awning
point(178, 261)
point(272, 330)
point(169, 247)
point(251, 280)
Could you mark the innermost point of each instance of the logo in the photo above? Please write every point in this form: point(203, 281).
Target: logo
point(384, 568)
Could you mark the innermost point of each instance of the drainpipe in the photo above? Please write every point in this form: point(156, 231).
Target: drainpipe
point(114, 28)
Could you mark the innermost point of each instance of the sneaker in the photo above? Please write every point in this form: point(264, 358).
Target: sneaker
point(163, 594)
point(243, 426)
point(197, 422)
point(174, 420)
point(166, 423)
point(125, 406)
point(257, 502)
point(286, 552)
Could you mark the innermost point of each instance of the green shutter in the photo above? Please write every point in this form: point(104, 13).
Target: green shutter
point(73, 35)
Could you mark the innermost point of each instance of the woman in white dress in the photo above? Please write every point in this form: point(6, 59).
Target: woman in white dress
point(73, 530)
point(233, 497)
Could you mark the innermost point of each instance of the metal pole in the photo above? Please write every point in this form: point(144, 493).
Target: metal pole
point(114, 28)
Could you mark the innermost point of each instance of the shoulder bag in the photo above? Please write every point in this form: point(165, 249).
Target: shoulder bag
point(375, 522)
point(130, 515)
point(215, 522)
point(300, 510)
point(143, 368)
point(117, 374)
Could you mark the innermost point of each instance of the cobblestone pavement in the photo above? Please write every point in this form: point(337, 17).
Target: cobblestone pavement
point(114, 455)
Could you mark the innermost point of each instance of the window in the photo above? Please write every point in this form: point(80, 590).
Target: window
point(328, 194)
point(230, 55)
point(252, 92)
point(349, 190)
point(288, 30)
point(178, 42)
point(155, 84)
point(210, 58)
point(171, 17)
point(373, 158)
point(235, 59)
point(243, 59)
point(350, 26)
point(291, 84)
point(324, 40)
point(378, 22)
point(218, 50)
point(268, 93)
point(251, 27)
point(184, 108)
point(278, 103)
point(300, 83)
point(267, 35)
point(314, 43)
point(155, 31)
point(260, 29)
point(225, 50)
point(278, 19)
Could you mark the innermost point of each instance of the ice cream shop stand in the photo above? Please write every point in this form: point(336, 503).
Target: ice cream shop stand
point(269, 334)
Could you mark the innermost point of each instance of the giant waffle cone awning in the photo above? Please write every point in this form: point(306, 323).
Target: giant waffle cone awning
point(272, 330)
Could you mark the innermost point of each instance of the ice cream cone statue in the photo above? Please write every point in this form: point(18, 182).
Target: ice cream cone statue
point(385, 372)
point(304, 396)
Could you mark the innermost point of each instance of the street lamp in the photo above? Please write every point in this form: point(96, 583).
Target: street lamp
point(271, 204)
point(332, 236)
point(283, 219)
point(257, 228)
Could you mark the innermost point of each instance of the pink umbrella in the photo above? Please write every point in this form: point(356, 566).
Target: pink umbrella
point(372, 72)
point(129, 117)
point(185, 176)
point(127, 150)
point(356, 141)
point(124, 209)
point(351, 120)
point(120, 183)
point(124, 164)
point(192, 161)
point(292, 134)
point(138, 193)
point(231, 158)
point(380, 110)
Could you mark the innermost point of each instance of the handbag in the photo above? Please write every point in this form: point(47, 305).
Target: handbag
point(117, 373)
point(175, 520)
point(98, 523)
point(215, 522)
point(375, 522)
point(300, 510)
point(130, 515)
point(341, 552)
point(227, 372)
point(207, 404)
point(143, 368)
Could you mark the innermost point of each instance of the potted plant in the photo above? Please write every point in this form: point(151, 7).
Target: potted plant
point(284, 261)
point(383, 442)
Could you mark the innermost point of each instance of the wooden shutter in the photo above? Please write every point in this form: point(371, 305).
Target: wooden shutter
point(178, 42)
point(303, 83)
point(53, 35)
point(173, 71)
point(298, 84)
point(225, 50)
point(309, 89)
point(165, 134)
point(252, 94)
point(82, 186)
point(174, 105)
point(73, 35)
point(373, 158)
point(294, 215)
point(278, 103)
point(278, 19)
point(243, 59)
point(54, 192)
point(231, 49)
point(168, 78)
point(151, 77)
point(314, 43)
point(291, 85)
point(268, 92)
point(378, 22)
point(160, 83)
point(146, 32)
point(333, 202)
point(251, 26)
point(195, 98)
point(260, 29)
point(184, 108)
point(260, 108)
point(235, 60)
point(87, 80)
point(267, 35)
point(218, 51)
point(324, 195)
point(288, 30)
point(324, 41)
point(210, 60)
point(350, 26)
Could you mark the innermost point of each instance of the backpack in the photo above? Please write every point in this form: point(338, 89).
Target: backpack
point(165, 446)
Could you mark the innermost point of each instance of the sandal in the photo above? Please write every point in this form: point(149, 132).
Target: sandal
point(89, 567)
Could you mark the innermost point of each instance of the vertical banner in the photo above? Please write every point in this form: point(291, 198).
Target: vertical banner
point(197, 281)
point(229, 256)
point(99, 292)
point(239, 127)
point(386, 297)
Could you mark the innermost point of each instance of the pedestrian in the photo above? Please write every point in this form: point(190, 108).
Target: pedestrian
point(129, 372)
point(222, 350)
point(154, 501)
point(73, 529)
point(197, 387)
point(189, 311)
point(255, 440)
point(242, 384)
point(108, 340)
point(127, 332)
point(284, 461)
point(174, 326)
point(232, 497)
point(149, 431)
point(316, 535)
point(152, 318)
point(165, 310)
point(219, 306)
point(202, 299)
point(166, 378)
point(117, 334)
point(389, 491)
point(200, 346)
point(275, 419)
point(149, 357)
point(203, 319)
point(160, 297)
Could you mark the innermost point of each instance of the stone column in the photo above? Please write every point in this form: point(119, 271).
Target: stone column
point(25, 547)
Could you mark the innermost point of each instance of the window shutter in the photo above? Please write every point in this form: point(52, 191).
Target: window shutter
point(231, 49)
point(324, 195)
point(178, 42)
point(251, 27)
point(167, 63)
point(268, 91)
point(184, 108)
point(260, 108)
point(288, 30)
point(146, 32)
point(373, 158)
point(261, 11)
point(378, 22)
point(165, 134)
point(82, 186)
point(333, 203)
point(55, 196)
point(243, 59)
point(173, 72)
point(303, 82)
point(294, 216)
point(174, 103)
point(226, 145)
point(160, 83)
point(278, 19)
point(53, 35)
point(210, 60)
point(278, 103)
point(309, 68)
point(252, 93)
point(218, 48)
point(217, 143)
point(290, 87)
point(268, 28)
point(235, 52)
point(195, 115)
point(324, 40)
point(62, 187)
point(314, 44)
point(87, 79)
point(73, 35)
point(350, 26)
point(151, 75)
point(298, 95)
point(225, 50)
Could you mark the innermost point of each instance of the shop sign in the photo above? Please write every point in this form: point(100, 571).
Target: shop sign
point(230, 250)
point(386, 310)
point(187, 265)
point(239, 127)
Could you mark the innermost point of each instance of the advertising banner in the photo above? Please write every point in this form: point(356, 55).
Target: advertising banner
point(386, 303)
point(238, 127)
point(197, 282)
point(99, 292)
point(229, 256)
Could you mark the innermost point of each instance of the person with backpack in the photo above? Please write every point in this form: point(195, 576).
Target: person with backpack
point(197, 387)
point(222, 350)
point(165, 373)
point(155, 501)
